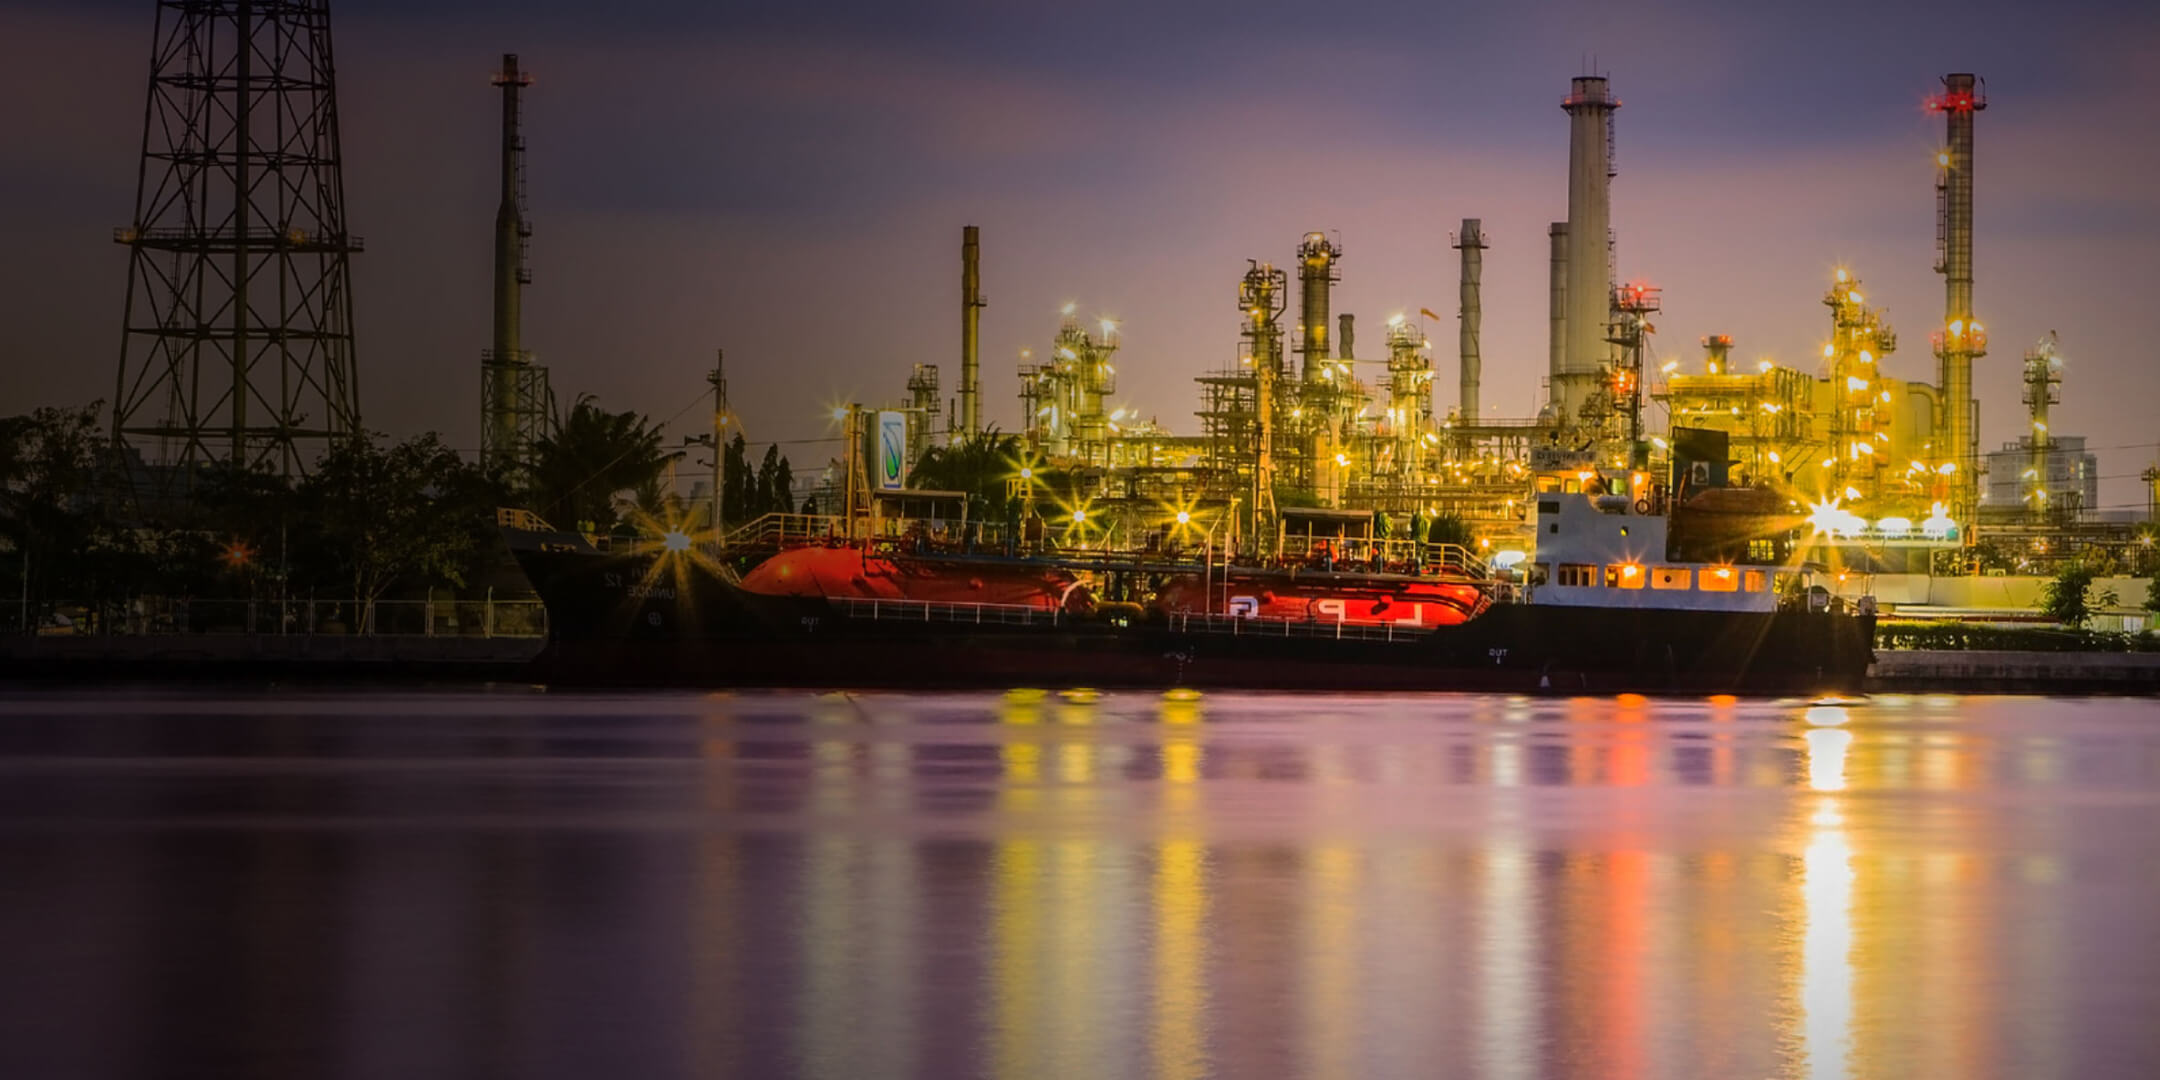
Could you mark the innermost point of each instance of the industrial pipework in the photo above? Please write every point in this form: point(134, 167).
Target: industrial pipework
point(971, 305)
point(1590, 108)
point(1346, 339)
point(1316, 272)
point(505, 434)
point(2043, 376)
point(1260, 297)
point(1859, 435)
point(1471, 243)
point(1962, 340)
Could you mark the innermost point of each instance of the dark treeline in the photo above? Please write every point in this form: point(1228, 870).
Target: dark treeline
point(87, 532)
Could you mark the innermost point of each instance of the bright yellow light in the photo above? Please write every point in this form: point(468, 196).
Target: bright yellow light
point(1866, 357)
point(1942, 158)
point(1026, 473)
point(1079, 517)
point(1938, 524)
point(1852, 493)
point(1855, 382)
point(840, 413)
point(1342, 459)
point(1774, 459)
point(675, 540)
point(1109, 327)
point(1764, 365)
point(1855, 297)
point(1894, 526)
point(1395, 319)
point(1842, 275)
point(1829, 351)
point(1670, 366)
point(1069, 308)
point(1828, 517)
point(1948, 467)
point(1184, 517)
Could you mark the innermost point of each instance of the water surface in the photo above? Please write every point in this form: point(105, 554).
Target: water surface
point(521, 884)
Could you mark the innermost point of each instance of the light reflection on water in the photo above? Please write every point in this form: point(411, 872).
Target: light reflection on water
point(1037, 885)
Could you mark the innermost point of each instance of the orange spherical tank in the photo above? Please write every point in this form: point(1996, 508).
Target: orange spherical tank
point(851, 572)
point(1400, 603)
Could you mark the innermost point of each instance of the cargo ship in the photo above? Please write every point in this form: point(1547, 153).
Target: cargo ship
point(1629, 589)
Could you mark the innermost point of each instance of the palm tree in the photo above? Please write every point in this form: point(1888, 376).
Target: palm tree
point(591, 456)
point(979, 465)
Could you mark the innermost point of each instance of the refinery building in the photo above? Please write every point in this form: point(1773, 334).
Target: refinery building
point(1884, 469)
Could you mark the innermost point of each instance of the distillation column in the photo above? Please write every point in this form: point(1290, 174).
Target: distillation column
point(511, 402)
point(1471, 242)
point(1556, 357)
point(1589, 269)
point(971, 305)
point(1962, 339)
point(2043, 375)
point(1316, 272)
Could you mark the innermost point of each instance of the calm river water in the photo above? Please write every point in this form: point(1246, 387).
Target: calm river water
point(520, 884)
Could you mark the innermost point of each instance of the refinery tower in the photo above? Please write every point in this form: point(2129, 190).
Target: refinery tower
point(1582, 253)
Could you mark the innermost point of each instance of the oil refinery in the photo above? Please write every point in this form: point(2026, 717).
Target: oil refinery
point(1885, 467)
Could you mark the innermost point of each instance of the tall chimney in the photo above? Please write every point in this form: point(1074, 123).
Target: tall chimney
point(1316, 272)
point(971, 305)
point(1962, 339)
point(503, 364)
point(1346, 337)
point(1590, 108)
point(1556, 358)
point(1471, 242)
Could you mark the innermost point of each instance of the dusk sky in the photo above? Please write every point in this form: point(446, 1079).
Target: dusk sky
point(789, 181)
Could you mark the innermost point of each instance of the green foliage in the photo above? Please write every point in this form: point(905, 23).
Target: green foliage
point(1450, 528)
point(2070, 598)
point(373, 517)
point(979, 466)
point(592, 456)
point(1954, 635)
point(65, 545)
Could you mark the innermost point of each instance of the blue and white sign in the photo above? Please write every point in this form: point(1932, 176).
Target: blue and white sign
point(892, 460)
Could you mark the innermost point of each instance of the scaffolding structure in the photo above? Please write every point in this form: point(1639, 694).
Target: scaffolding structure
point(237, 331)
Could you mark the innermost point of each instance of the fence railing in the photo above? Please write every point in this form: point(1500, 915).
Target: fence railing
point(938, 611)
point(441, 617)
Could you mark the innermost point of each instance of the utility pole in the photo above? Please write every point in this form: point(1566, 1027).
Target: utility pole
point(718, 379)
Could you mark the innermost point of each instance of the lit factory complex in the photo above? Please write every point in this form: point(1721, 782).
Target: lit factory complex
point(1872, 447)
point(1885, 468)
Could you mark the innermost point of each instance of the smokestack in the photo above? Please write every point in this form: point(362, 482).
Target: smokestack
point(971, 305)
point(1316, 271)
point(1962, 339)
point(500, 368)
point(1557, 356)
point(1589, 283)
point(1346, 344)
point(1471, 242)
point(1717, 354)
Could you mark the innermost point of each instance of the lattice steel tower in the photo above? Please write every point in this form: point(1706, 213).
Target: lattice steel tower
point(237, 339)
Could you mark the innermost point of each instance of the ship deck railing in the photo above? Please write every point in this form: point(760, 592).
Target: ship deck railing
point(982, 614)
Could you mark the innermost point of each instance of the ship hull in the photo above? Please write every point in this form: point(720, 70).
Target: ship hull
point(615, 621)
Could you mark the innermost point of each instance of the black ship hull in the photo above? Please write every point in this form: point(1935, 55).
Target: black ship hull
point(619, 620)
